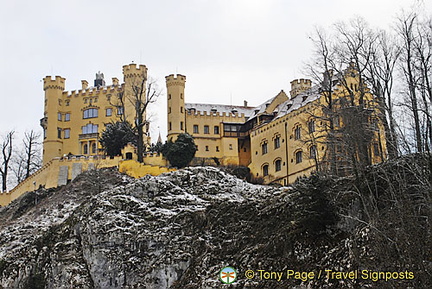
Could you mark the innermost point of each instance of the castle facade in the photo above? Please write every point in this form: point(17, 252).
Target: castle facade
point(73, 120)
point(285, 137)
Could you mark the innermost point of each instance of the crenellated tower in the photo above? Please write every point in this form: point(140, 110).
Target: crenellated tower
point(52, 143)
point(299, 85)
point(135, 89)
point(176, 105)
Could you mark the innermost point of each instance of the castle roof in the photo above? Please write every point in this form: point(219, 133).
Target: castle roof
point(299, 101)
point(208, 107)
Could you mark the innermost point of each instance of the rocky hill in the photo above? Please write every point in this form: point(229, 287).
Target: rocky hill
point(178, 230)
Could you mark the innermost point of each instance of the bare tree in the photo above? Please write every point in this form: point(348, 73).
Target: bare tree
point(138, 96)
point(406, 30)
point(6, 149)
point(348, 108)
point(380, 76)
point(28, 160)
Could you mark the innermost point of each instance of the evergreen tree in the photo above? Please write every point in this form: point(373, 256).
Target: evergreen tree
point(116, 136)
point(180, 152)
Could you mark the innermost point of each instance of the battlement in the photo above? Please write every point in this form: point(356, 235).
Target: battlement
point(57, 83)
point(301, 81)
point(218, 114)
point(132, 70)
point(300, 85)
point(173, 80)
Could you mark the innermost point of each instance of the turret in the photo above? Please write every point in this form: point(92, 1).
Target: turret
point(135, 78)
point(135, 85)
point(176, 105)
point(52, 112)
point(299, 85)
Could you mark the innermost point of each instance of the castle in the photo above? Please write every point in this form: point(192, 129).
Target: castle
point(73, 121)
point(284, 138)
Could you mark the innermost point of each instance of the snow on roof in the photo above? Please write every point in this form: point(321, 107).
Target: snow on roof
point(221, 108)
point(299, 101)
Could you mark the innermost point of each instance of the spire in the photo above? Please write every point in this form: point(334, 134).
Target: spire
point(159, 138)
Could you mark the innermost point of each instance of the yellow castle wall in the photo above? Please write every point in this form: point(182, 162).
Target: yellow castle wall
point(60, 104)
point(48, 175)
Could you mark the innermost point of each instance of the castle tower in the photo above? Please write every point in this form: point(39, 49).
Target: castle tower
point(176, 105)
point(135, 78)
point(299, 85)
point(135, 85)
point(52, 143)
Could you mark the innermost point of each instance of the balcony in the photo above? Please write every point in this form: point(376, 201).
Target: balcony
point(89, 136)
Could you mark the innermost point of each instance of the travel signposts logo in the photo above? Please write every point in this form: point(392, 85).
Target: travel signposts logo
point(228, 275)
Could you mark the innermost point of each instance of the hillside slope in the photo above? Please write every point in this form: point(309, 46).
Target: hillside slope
point(178, 230)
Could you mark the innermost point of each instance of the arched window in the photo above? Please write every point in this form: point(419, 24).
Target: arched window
point(311, 126)
point(90, 113)
point(85, 149)
point(264, 148)
point(93, 148)
point(90, 128)
point(313, 152)
point(265, 170)
point(278, 165)
point(277, 142)
point(297, 132)
point(299, 156)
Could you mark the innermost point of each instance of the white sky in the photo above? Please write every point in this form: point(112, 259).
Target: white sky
point(229, 50)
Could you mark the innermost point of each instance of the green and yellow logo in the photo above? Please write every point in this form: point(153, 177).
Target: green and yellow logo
point(228, 275)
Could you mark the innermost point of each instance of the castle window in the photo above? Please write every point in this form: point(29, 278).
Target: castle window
point(67, 117)
point(376, 149)
point(277, 142)
point(265, 170)
point(299, 157)
point(59, 116)
point(67, 102)
point(264, 148)
point(217, 148)
point(169, 96)
point(85, 149)
point(207, 148)
point(181, 109)
point(216, 129)
point(169, 109)
point(108, 111)
point(230, 146)
point(170, 126)
point(297, 133)
point(90, 128)
point(93, 148)
point(90, 113)
point(206, 129)
point(181, 125)
point(195, 128)
point(278, 165)
point(120, 110)
point(66, 133)
point(181, 95)
point(313, 152)
point(311, 126)
point(336, 121)
point(59, 132)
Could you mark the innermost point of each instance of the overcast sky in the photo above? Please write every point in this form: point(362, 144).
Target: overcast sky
point(229, 50)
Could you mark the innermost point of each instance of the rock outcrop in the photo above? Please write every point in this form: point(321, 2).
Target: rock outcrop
point(177, 230)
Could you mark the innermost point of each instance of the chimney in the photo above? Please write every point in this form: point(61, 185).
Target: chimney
point(245, 103)
point(84, 84)
point(115, 81)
